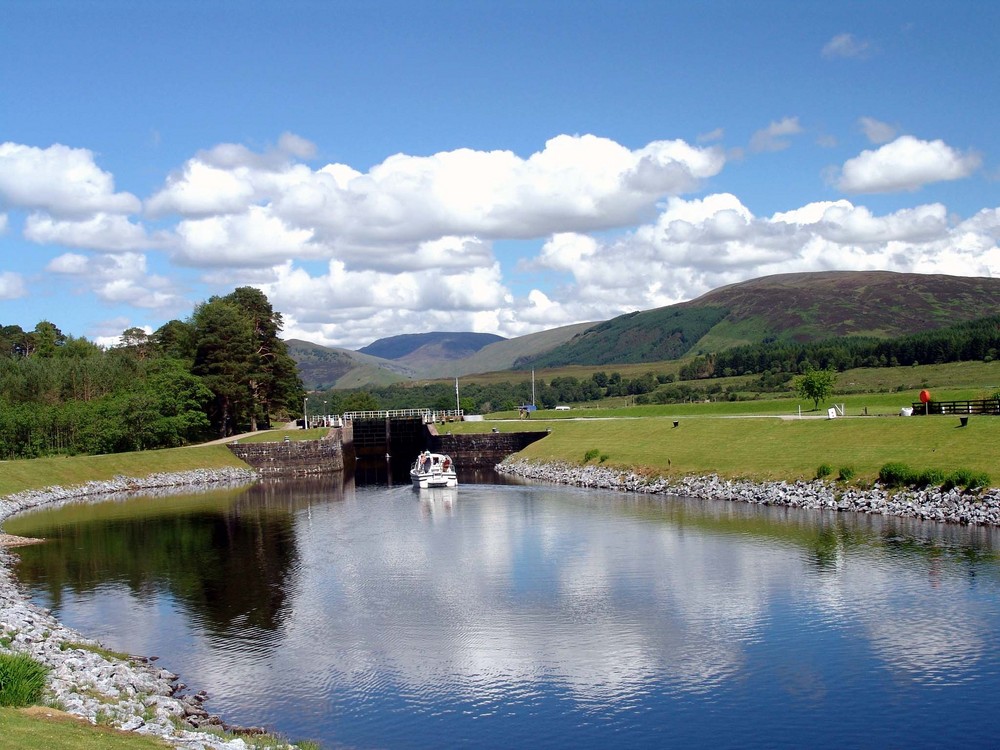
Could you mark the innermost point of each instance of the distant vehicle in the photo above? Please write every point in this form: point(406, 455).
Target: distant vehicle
point(562, 408)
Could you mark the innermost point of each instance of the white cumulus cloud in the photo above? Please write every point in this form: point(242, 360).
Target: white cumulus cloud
point(119, 278)
point(12, 285)
point(59, 180)
point(252, 238)
point(906, 163)
point(102, 231)
point(575, 183)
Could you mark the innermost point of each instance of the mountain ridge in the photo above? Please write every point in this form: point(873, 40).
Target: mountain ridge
point(797, 307)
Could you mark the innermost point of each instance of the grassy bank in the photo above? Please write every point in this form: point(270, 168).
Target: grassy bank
point(718, 438)
point(41, 728)
point(68, 471)
point(764, 447)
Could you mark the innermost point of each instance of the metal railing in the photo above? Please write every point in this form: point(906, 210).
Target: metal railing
point(428, 415)
point(329, 420)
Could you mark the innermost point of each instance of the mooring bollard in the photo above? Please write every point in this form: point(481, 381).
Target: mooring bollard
point(964, 421)
point(676, 422)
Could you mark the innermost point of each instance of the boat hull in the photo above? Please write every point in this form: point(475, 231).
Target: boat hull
point(425, 481)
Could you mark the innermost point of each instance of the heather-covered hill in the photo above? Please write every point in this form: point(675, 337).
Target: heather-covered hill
point(796, 307)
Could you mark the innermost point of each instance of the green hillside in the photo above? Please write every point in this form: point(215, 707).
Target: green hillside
point(650, 336)
point(446, 344)
point(326, 367)
point(800, 307)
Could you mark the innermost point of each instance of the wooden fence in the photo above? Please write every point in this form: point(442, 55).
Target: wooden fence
point(978, 406)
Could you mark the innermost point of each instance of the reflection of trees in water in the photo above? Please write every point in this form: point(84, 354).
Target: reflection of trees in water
point(228, 562)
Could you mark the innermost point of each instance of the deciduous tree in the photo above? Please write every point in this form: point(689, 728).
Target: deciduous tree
point(816, 384)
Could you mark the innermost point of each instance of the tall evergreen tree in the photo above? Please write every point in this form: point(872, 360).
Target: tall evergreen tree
point(224, 359)
point(274, 381)
point(46, 339)
point(175, 339)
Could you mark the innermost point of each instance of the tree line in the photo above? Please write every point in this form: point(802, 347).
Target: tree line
point(973, 340)
point(222, 371)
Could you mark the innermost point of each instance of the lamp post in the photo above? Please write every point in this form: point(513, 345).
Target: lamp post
point(326, 421)
point(305, 413)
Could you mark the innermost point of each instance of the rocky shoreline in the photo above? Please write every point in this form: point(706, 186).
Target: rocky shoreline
point(952, 506)
point(133, 694)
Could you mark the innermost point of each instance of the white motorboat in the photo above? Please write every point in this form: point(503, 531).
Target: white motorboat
point(433, 470)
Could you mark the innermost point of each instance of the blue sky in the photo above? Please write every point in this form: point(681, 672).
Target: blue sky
point(399, 167)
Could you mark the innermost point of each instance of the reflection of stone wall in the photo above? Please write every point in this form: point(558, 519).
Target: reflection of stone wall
point(294, 457)
point(481, 451)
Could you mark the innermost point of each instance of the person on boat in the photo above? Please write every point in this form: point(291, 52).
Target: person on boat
point(425, 464)
point(446, 463)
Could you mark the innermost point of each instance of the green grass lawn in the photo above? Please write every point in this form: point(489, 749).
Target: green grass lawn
point(67, 471)
point(277, 436)
point(765, 447)
point(40, 728)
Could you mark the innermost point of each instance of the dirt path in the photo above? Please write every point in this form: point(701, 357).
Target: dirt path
point(231, 438)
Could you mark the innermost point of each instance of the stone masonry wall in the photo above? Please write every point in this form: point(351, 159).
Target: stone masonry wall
point(481, 451)
point(294, 458)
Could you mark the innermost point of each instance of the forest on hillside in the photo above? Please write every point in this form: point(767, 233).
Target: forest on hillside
point(975, 340)
point(222, 371)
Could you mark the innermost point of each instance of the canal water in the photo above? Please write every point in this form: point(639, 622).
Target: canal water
point(506, 615)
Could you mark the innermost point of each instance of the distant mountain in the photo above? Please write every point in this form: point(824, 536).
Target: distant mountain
point(797, 307)
point(416, 348)
point(327, 367)
point(322, 367)
point(504, 355)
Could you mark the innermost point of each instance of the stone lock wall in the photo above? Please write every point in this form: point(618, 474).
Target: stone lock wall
point(294, 458)
point(310, 457)
point(484, 450)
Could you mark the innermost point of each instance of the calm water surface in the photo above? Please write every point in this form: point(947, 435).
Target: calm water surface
point(506, 616)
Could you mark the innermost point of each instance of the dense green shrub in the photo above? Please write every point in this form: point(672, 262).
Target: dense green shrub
point(845, 473)
point(823, 471)
point(896, 474)
point(966, 479)
point(929, 478)
point(22, 680)
point(591, 455)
